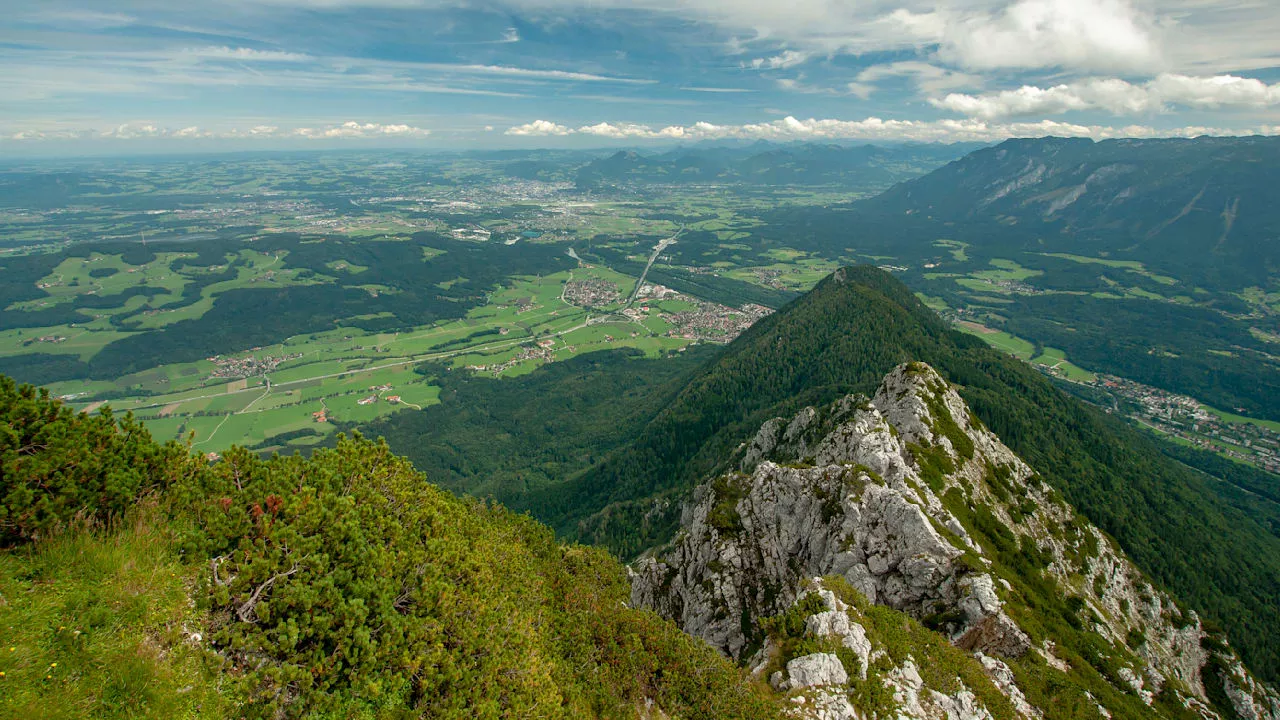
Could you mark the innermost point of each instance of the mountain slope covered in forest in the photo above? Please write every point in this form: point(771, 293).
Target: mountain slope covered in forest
point(844, 337)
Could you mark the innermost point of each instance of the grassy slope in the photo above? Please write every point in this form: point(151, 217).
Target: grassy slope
point(98, 625)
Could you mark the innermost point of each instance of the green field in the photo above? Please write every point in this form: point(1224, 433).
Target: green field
point(1130, 265)
point(955, 247)
point(794, 270)
point(351, 375)
point(1055, 359)
point(1001, 340)
point(1051, 358)
point(1234, 418)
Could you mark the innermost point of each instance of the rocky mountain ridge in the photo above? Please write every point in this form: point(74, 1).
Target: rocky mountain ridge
point(906, 504)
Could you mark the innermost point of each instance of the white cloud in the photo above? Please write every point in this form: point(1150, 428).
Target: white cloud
point(620, 131)
point(517, 72)
point(717, 89)
point(1116, 96)
point(129, 131)
point(1093, 34)
point(785, 59)
point(1217, 91)
point(245, 54)
point(925, 76)
point(872, 128)
point(150, 130)
point(352, 129)
point(538, 128)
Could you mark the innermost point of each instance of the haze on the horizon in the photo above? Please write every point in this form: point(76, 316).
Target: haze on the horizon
point(143, 75)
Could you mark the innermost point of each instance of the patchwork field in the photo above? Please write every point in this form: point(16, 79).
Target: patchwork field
point(301, 389)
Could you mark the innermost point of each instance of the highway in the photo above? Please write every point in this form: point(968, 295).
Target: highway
point(663, 245)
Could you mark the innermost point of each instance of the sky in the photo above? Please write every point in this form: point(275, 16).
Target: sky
point(177, 75)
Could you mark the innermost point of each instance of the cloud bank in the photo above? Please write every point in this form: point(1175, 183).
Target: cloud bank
point(147, 130)
point(1116, 96)
point(871, 128)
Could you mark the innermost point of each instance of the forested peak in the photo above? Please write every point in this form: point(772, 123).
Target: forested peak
point(843, 338)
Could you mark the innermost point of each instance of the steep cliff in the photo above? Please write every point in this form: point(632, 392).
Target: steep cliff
point(909, 505)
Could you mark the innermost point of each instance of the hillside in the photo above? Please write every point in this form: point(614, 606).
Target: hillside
point(906, 501)
point(1200, 209)
point(844, 337)
point(1151, 260)
point(142, 581)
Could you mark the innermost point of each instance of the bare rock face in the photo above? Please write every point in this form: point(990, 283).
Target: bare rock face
point(851, 501)
point(815, 670)
point(1250, 699)
point(821, 685)
point(889, 494)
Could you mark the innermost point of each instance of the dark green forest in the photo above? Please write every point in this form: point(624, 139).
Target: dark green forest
point(245, 318)
point(504, 438)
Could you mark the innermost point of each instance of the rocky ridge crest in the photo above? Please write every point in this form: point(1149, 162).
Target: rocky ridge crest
point(910, 505)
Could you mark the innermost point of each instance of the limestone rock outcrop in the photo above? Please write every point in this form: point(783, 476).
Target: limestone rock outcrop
point(911, 501)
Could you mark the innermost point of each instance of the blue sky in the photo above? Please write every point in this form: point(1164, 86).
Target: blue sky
point(235, 74)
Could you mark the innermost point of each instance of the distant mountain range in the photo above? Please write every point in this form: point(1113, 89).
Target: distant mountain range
point(1201, 209)
point(864, 166)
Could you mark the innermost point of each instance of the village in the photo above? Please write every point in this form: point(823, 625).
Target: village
point(250, 366)
point(591, 293)
point(541, 351)
point(1185, 418)
point(713, 322)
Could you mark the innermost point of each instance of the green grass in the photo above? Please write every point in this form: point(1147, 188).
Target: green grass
point(1023, 350)
point(1234, 418)
point(1128, 264)
point(786, 254)
point(1144, 294)
point(1003, 341)
point(794, 270)
point(344, 266)
point(84, 340)
point(73, 277)
point(956, 248)
point(933, 303)
point(1007, 270)
point(95, 625)
point(1055, 358)
point(981, 286)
